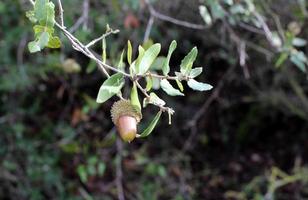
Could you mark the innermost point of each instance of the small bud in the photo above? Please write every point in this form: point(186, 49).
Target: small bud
point(126, 118)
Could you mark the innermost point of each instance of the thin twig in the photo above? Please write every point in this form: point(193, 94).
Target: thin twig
point(20, 56)
point(250, 28)
point(163, 17)
point(214, 95)
point(79, 21)
point(86, 7)
point(148, 29)
point(194, 120)
point(84, 194)
point(102, 37)
point(162, 108)
point(61, 12)
point(243, 58)
point(119, 172)
point(83, 18)
point(77, 45)
point(266, 29)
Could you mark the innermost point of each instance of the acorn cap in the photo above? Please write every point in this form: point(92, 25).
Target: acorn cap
point(124, 108)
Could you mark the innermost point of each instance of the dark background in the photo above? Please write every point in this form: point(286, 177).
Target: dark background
point(244, 139)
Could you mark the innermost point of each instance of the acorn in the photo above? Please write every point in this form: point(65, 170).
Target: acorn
point(126, 118)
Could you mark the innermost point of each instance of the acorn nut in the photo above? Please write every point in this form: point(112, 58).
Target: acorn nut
point(126, 119)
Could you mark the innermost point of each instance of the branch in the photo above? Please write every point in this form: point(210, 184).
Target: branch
point(266, 29)
point(83, 18)
point(77, 45)
point(163, 17)
point(149, 28)
point(61, 12)
point(197, 116)
point(102, 37)
point(119, 172)
point(162, 108)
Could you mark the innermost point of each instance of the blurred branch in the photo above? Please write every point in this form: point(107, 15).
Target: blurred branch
point(83, 18)
point(119, 172)
point(61, 12)
point(194, 120)
point(85, 194)
point(241, 48)
point(266, 29)
point(163, 17)
point(149, 28)
point(243, 58)
point(20, 55)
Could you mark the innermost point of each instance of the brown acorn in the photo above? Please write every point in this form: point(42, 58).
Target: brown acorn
point(126, 118)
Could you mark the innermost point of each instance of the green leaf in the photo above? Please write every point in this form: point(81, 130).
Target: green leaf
point(40, 43)
point(151, 126)
point(91, 170)
point(39, 29)
point(169, 89)
point(44, 11)
point(54, 42)
point(217, 10)
point(91, 67)
point(205, 15)
point(110, 87)
point(43, 40)
point(156, 83)
point(282, 58)
point(81, 170)
point(149, 85)
point(299, 59)
point(134, 99)
point(166, 67)
point(229, 2)
point(138, 60)
point(158, 63)
point(147, 44)
point(195, 85)
point(121, 64)
point(148, 58)
point(40, 9)
point(195, 72)
point(101, 168)
point(299, 42)
point(154, 99)
point(129, 52)
point(237, 9)
point(31, 16)
point(33, 47)
point(180, 85)
point(92, 160)
point(188, 61)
